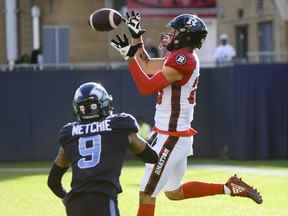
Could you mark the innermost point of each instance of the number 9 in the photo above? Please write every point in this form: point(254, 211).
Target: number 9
point(93, 152)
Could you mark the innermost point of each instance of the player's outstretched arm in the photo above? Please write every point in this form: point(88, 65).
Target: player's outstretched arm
point(150, 85)
point(145, 84)
point(127, 50)
point(142, 149)
point(58, 169)
point(149, 65)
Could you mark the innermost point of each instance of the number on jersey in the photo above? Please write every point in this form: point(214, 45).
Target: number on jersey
point(192, 96)
point(90, 150)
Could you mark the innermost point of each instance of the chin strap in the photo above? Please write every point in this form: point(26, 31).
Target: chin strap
point(145, 84)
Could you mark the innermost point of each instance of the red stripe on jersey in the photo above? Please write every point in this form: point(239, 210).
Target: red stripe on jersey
point(186, 133)
point(160, 165)
point(175, 107)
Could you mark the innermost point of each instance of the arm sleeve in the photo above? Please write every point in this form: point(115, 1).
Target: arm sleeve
point(54, 180)
point(145, 84)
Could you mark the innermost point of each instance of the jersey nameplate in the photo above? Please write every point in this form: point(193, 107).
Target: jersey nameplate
point(91, 128)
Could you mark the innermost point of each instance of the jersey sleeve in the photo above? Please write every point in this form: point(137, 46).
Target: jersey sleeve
point(127, 122)
point(181, 61)
point(64, 135)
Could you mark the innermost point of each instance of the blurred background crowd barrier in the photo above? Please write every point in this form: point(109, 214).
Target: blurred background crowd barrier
point(241, 110)
point(56, 32)
point(47, 49)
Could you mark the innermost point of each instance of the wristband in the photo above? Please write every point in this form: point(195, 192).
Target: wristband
point(148, 155)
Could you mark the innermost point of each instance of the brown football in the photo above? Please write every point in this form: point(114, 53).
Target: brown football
point(105, 19)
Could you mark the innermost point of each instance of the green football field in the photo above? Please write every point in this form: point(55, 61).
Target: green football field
point(23, 190)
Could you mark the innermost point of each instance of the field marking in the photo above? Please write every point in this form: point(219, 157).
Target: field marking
point(243, 169)
point(23, 170)
point(230, 168)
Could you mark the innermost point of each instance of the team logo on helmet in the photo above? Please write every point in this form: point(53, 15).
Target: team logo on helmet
point(192, 21)
point(181, 59)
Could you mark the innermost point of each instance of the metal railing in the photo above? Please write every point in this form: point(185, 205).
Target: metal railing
point(252, 58)
point(267, 57)
point(66, 66)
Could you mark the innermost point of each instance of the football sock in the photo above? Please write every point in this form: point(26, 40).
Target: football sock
point(146, 210)
point(200, 189)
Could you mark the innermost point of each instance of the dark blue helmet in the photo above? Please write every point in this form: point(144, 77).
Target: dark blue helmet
point(191, 32)
point(92, 102)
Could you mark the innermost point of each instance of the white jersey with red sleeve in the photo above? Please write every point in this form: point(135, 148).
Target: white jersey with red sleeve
point(175, 103)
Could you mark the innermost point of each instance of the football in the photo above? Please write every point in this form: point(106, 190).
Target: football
point(105, 19)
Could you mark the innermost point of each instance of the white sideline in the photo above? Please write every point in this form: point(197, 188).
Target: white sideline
point(232, 168)
point(23, 170)
point(242, 169)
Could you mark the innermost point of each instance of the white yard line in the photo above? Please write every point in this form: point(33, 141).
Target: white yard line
point(23, 170)
point(230, 168)
point(243, 169)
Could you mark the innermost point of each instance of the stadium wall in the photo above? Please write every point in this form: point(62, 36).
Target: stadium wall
point(241, 111)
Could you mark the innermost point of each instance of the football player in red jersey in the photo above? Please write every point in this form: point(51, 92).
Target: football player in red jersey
point(175, 79)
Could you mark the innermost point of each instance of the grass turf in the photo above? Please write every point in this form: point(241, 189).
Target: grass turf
point(23, 191)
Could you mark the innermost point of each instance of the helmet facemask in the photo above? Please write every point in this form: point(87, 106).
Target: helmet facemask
point(185, 39)
point(168, 39)
point(88, 109)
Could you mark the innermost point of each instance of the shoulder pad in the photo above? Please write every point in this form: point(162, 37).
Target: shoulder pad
point(181, 60)
point(126, 115)
point(65, 133)
point(125, 121)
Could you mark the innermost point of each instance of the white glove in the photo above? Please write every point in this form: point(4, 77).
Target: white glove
point(133, 22)
point(124, 48)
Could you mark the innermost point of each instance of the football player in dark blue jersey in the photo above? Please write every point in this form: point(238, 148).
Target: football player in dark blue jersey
point(95, 146)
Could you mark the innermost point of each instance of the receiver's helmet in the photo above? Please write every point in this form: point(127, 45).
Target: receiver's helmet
point(92, 102)
point(191, 32)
